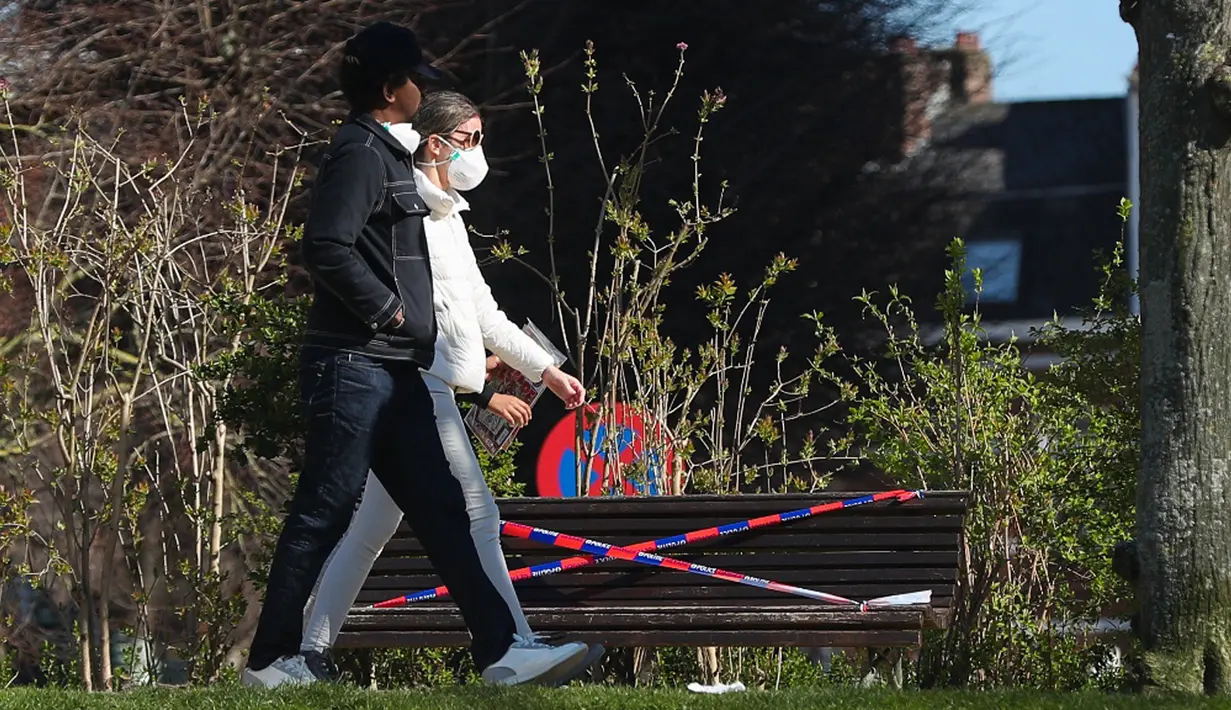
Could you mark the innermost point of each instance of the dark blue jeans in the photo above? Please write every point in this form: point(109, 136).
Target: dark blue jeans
point(369, 414)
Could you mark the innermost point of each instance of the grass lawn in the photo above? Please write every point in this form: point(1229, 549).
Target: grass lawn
point(580, 698)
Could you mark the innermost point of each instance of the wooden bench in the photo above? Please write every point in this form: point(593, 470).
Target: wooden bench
point(860, 553)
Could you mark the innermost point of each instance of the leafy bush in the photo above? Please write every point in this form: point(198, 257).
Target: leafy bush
point(1048, 461)
point(142, 516)
point(724, 412)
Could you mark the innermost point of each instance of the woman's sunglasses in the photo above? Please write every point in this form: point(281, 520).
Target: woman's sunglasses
point(468, 139)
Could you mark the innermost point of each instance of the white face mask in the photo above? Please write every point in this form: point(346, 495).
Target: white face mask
point(467, 168)
point(406, 135)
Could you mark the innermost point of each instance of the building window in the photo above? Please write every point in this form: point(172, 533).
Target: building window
point(1000, 263)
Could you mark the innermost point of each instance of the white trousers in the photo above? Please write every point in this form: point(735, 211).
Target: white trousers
point(378, 517)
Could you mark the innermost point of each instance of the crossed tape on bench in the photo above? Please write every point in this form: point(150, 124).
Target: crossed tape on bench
point(595, 547)
point(570, 563)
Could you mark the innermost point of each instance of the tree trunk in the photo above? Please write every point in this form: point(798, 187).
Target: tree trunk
point(85, 622)
point(1184, 493)
point(112, 537)
point(219, 488)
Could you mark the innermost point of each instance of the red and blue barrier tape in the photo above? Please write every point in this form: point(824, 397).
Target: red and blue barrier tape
point(570, 563)
point(594, 547)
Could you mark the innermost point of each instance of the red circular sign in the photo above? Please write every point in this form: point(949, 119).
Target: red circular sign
point(556, 473)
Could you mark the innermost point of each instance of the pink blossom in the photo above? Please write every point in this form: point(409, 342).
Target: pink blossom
point(4, 84)
point(682, 46)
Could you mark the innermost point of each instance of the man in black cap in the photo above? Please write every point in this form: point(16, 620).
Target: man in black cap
point(370, 330)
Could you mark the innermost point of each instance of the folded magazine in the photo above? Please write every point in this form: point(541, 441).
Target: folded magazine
point(493, 432)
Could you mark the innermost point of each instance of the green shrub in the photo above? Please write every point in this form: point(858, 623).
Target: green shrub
point(1048, 461)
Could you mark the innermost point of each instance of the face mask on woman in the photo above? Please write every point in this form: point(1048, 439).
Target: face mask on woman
point(467, 168)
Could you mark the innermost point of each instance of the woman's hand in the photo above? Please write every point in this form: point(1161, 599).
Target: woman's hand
point(566, 387)
point(511, 409)
point(492, 363)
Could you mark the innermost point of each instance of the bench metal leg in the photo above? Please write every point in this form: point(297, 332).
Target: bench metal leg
point(884, 668)
point(898, 679)
point(707, 660)
point(643, 666)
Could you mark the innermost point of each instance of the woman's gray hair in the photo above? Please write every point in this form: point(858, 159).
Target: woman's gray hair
point(441, 112)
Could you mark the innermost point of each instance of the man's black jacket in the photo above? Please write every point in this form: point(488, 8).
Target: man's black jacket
point(365, 247)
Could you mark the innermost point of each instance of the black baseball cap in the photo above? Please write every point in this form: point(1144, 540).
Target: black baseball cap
point(386, 48)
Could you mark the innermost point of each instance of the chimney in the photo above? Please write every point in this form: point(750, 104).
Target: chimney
point(967, 41)
point(916, 91)
point(972, 70)
point(904, 45)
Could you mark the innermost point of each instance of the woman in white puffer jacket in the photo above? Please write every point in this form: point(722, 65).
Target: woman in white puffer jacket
point(449, 160)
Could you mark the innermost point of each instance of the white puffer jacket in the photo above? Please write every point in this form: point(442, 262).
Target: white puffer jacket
point(468, 321)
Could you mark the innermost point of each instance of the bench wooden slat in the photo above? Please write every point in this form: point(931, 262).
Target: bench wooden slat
point(765, 604)
point(831, 577)
point(768, 561)
point(654, 639)
point(734, 507)
point(751, 541)
point(659, 625)
point(659, 616)
point(654, 528)
point(804, 615)
point(599, 599)
point(595, 597)
point(657, 582)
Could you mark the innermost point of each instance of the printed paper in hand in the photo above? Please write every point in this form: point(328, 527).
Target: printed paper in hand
point(493, 432)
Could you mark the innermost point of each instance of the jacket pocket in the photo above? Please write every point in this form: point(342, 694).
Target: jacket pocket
point(416, 289)
point(407, 212)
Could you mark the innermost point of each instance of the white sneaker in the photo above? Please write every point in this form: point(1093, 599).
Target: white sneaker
point(593, 655)
point(290, 670)
point(530, 660)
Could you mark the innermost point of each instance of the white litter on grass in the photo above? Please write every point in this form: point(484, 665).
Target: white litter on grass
point(717, 688)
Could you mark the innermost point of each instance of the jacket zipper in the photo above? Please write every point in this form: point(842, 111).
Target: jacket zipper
point(431, 287)
point(393, 263)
